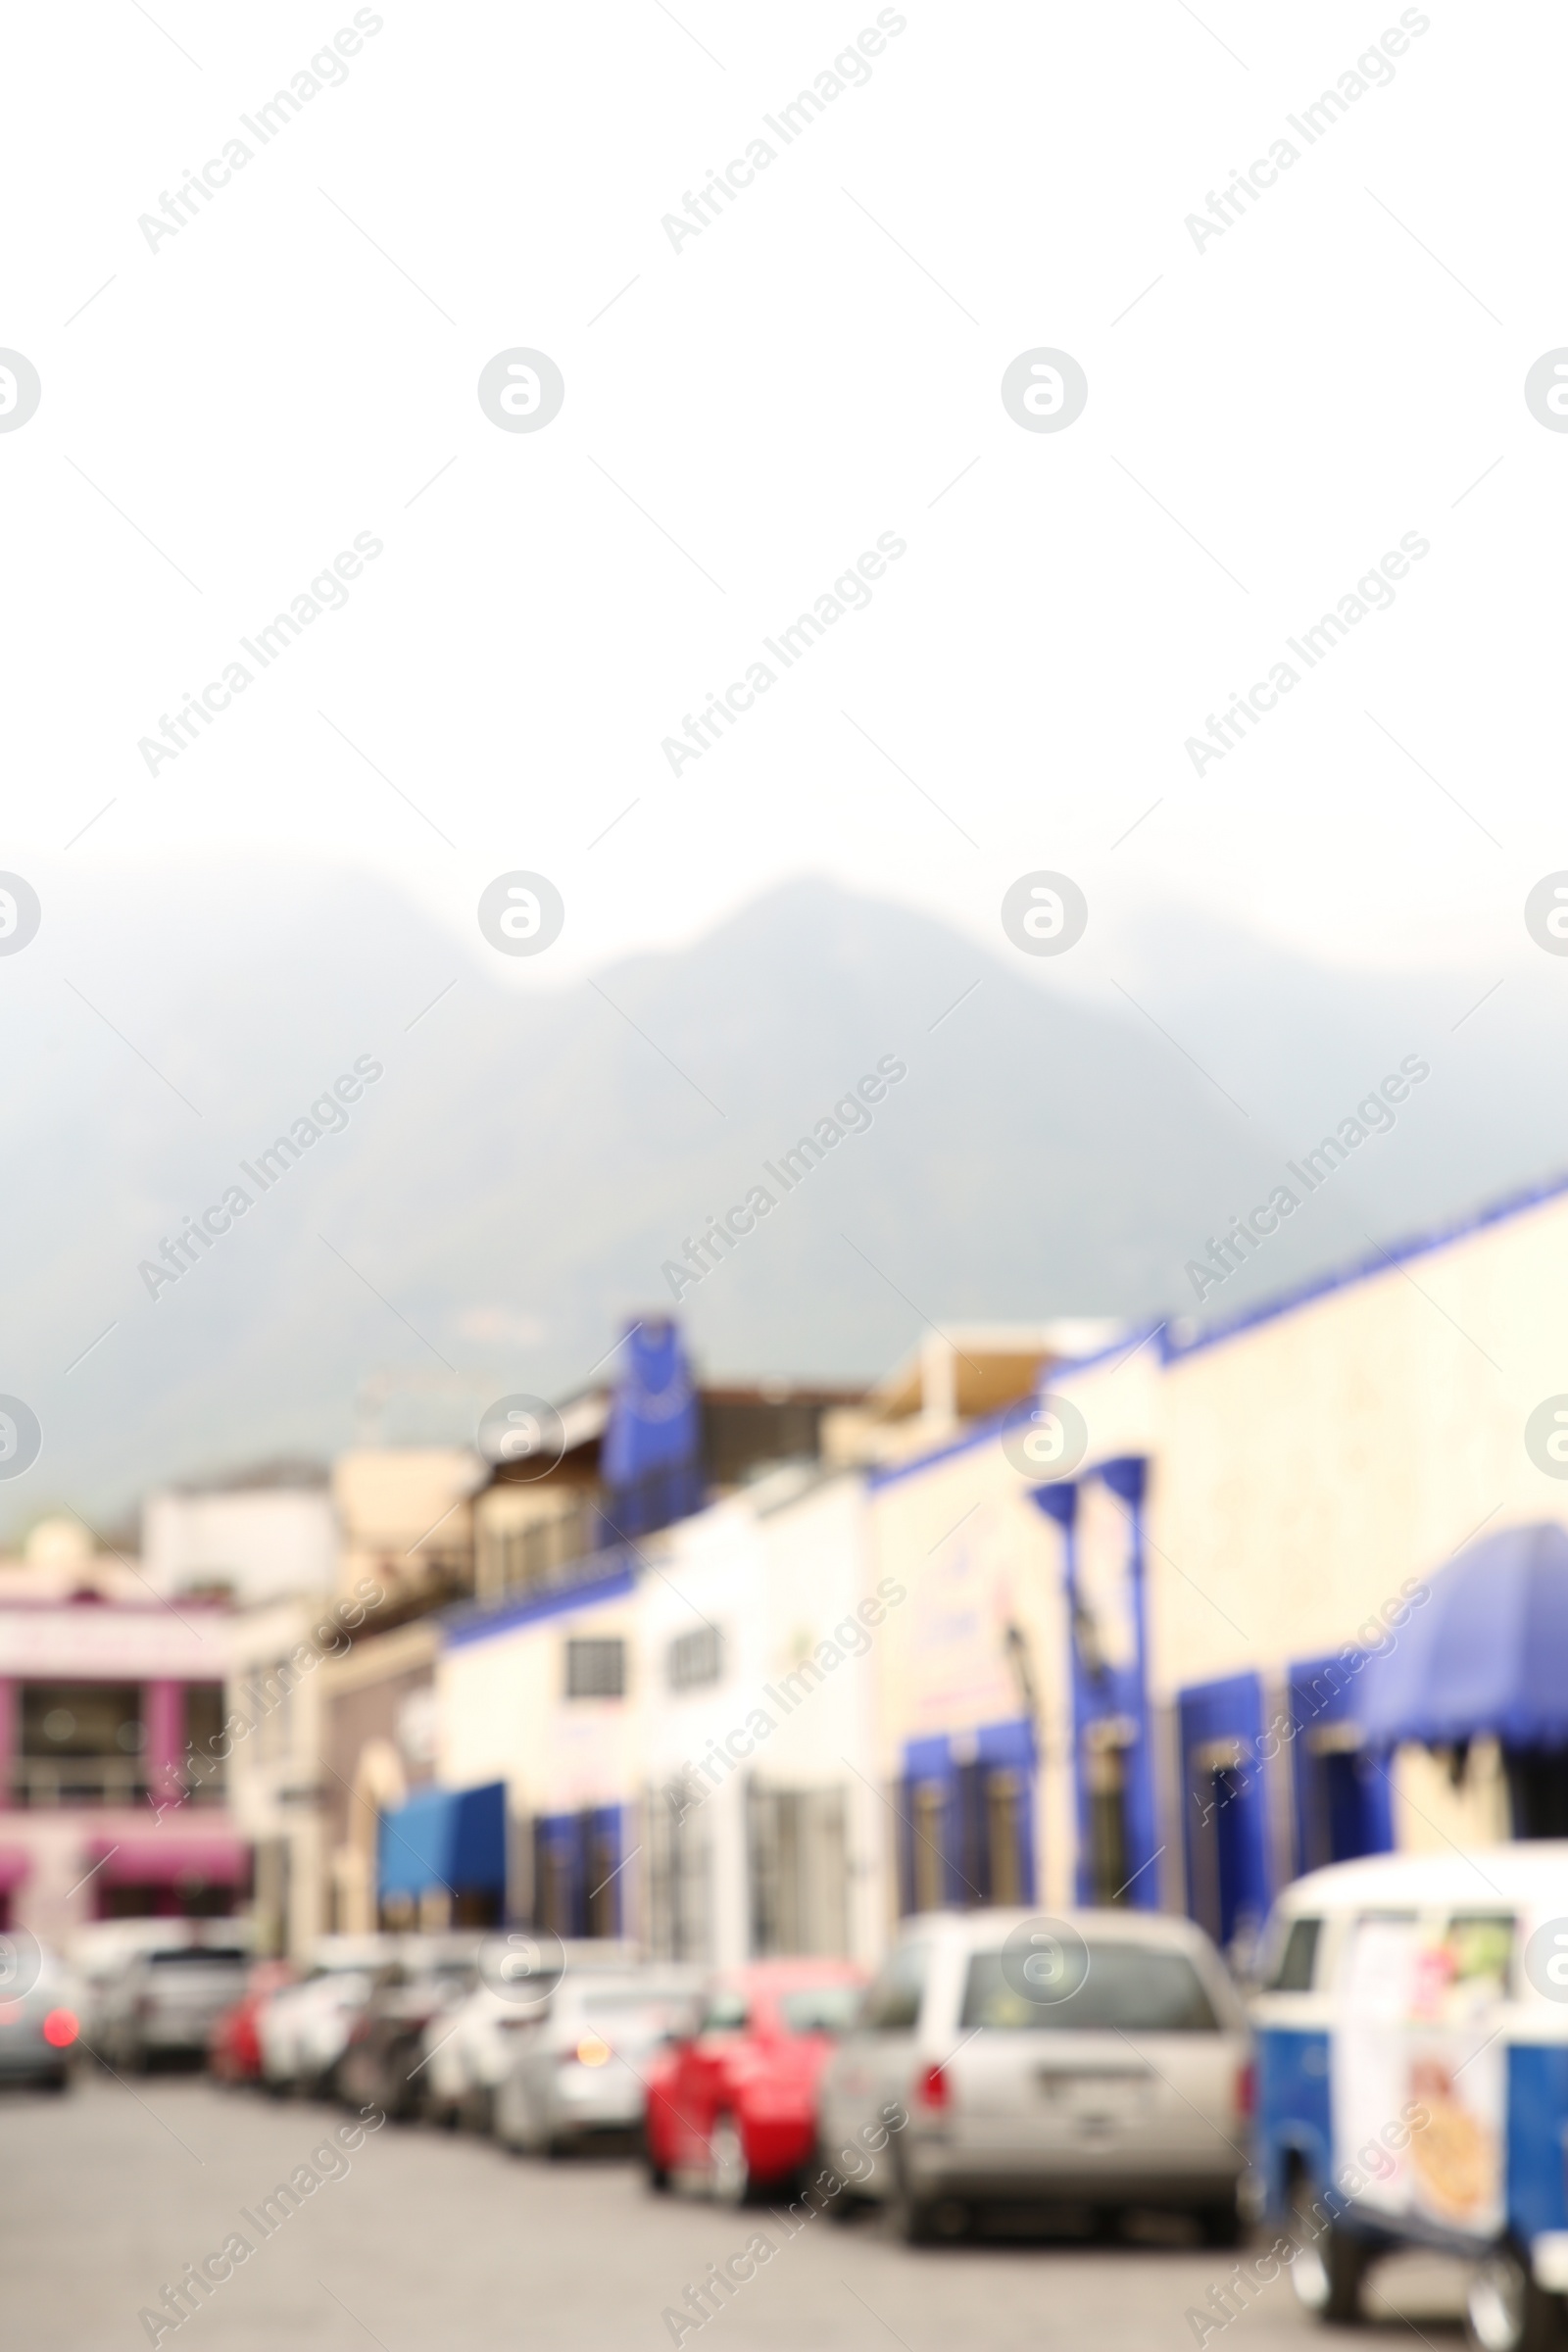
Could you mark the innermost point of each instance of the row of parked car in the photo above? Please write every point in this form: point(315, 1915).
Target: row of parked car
point(1106, 2061)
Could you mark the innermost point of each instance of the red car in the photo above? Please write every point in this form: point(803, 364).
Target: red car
point(732, 2109)
point(233, 2051)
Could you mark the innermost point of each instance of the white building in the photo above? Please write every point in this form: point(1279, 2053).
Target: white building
point(763, 1823)
point(1240, 1517)
point(260, 1541)
point(275, 1654)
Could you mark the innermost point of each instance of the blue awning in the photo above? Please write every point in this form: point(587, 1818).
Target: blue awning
point(1487, 1650)
point(452, 1838)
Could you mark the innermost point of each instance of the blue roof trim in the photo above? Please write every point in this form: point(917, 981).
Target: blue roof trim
point(1174, 1342)
point(472, 1622)
point(1384, 1261)
point(984, 1432)
point(981, 1434)
point(1127, 1345)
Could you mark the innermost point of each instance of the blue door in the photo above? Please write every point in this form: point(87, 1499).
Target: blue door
point(1343, 1799)
point(576, 1872)
point(1223, 1806)
point(966, 1819)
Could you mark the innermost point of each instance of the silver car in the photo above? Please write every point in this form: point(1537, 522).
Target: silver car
point(40, 2026)
point(577, 2075)
point(1100, 2060)
point(163, 2004)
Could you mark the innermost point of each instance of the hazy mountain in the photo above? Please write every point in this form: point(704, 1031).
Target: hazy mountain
point(509, 1188)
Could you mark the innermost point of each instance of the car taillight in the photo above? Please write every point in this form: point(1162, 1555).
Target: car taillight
point(934, 2090)
point(1246, 2090)
point(60, 2028)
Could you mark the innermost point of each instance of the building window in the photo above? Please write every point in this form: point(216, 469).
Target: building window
point(204, 1730)
point(81, 1744)
point(696, 1658)
point(596, 1669)
point(798, 1863)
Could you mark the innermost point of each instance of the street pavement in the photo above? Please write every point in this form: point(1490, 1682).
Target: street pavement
point(430, 2242)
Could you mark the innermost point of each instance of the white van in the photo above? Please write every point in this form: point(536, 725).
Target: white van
point(1412, 2053)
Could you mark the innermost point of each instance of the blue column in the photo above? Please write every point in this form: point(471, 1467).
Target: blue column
point(1060, 1502)
point(1127, 1479)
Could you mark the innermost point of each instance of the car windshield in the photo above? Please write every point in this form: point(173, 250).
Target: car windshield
point(820, 2009)
point(1105, 1987)
point(632, 2021)
point(1297, 1958)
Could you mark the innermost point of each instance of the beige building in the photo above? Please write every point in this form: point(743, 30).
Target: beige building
point(1311, 1467)
point(407, 1515)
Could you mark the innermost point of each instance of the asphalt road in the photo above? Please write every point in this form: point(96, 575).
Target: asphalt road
point(432, 2243)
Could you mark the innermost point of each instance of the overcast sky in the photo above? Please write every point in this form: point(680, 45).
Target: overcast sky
point(748, 409)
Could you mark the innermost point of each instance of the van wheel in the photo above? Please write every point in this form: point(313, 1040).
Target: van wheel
point(1222, 2223)
point(1329, 2264)
point(1505, 2311)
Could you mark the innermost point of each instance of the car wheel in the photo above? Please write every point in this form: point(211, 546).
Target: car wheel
point(655, 2174)
point(913, 2217)
point(729, 2173)
point(1505, 2311)
point(1329, 2263)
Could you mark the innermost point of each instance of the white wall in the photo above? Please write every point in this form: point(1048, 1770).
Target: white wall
point(975, 1555)
point(780, 1569)
point(502, 1715)
point(265, 1542)
point(274, 1767)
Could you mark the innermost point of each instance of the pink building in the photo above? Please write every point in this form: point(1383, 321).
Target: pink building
point(112, 1781)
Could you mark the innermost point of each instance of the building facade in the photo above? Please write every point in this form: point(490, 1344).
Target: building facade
point(112, 1804)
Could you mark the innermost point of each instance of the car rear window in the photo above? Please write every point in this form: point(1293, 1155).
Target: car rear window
point(200, 1958)
point(1297, 1961)
point(893, 2002)
point(1126, 1988)
point(820, 2009)
point(634, 2021)
point(726, 2013)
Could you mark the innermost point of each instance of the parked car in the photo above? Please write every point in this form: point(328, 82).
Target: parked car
point(234, 2044)
point(100, 1951)
point(384, 2057)
point(470, 2050)
point(732, 2106)
point(1098, 2061)
point(580, 2075)
point(162, 2004)
point(304, 2028)
point(40, 2028)
point(1413, 2080)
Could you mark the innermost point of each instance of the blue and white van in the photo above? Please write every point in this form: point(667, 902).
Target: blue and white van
point(1412, 2079)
